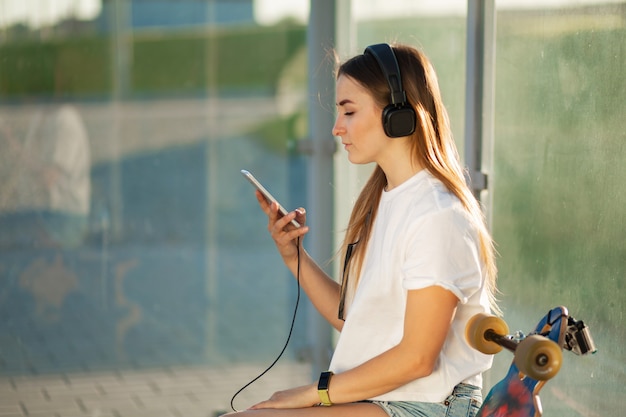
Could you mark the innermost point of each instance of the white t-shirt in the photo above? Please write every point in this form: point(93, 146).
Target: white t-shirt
point(422, 236)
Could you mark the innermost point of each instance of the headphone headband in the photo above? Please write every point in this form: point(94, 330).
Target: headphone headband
point(384, 55)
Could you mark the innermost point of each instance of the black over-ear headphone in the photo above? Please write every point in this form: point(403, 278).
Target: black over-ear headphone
point(399, 116)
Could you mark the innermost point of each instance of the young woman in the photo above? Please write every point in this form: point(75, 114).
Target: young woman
point(419, 259)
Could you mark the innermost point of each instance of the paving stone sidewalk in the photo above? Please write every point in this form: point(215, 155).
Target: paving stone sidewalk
point(175, 392)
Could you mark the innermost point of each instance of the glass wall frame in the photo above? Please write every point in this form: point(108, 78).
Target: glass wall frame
point(174, 297)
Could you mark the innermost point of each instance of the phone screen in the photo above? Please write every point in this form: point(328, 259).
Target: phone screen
point(269, 197)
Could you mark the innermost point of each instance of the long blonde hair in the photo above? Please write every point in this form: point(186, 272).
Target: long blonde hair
point(432, 145)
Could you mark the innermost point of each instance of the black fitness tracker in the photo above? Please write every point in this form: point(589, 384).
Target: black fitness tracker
point(322, 388)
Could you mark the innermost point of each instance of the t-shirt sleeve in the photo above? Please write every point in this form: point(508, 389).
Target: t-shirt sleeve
point(443, 250)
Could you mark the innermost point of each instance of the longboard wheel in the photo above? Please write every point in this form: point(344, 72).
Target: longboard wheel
point(475, 332)
point(538, 357)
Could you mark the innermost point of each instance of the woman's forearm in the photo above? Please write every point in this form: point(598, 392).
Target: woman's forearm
point(321, 289)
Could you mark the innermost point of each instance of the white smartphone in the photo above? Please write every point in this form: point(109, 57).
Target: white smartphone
point(269, 197)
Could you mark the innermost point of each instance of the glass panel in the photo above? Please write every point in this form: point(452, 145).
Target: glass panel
point(134, 258)
point(559, 193)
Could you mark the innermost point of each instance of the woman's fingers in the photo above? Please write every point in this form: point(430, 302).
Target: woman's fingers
point(301, 215)
point(262, 202)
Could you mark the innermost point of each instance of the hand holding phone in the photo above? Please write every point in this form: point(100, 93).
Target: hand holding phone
point(269, 197)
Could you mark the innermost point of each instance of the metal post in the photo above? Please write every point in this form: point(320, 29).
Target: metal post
point(479, 102)
point(320, 43)
point(480, 86)
point(122, 52)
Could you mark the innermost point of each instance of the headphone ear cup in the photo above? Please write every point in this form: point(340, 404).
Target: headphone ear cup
point(399, 121)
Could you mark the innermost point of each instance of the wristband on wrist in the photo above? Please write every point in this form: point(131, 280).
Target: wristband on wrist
point(322, 388)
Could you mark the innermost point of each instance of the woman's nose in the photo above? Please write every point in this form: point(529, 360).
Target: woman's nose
point(338, 128)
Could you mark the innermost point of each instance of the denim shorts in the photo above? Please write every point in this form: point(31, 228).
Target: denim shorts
point(465, 401)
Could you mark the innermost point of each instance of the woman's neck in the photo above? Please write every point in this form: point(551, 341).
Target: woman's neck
point(400, 170)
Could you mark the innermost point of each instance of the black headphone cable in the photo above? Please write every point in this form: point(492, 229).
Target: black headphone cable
point(293, 321)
